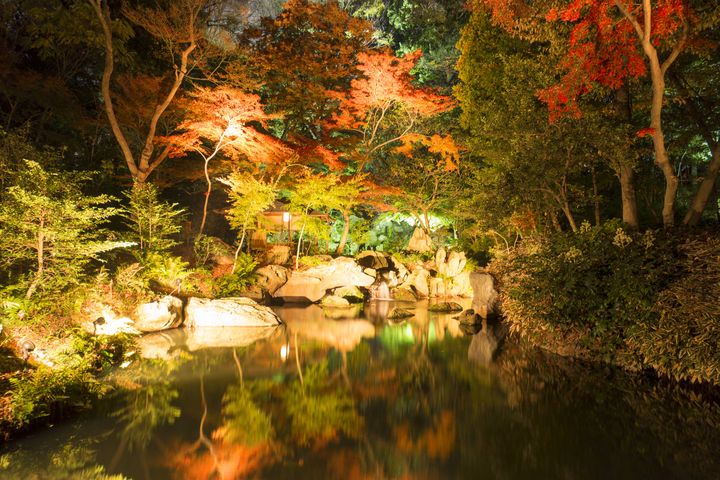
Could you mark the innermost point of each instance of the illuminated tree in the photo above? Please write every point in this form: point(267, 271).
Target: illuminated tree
point(612, 41)
point(217, 122)
point(249, 197)
point(179, 26)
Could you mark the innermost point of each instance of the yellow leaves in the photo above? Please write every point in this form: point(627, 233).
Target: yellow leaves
point(443, 146)
point(437, 442)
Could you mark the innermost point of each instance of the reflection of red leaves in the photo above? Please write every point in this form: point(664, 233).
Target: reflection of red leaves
point(645, 132)
point(436, 442)
point(195, 461)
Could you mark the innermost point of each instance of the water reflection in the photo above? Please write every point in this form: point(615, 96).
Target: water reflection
point(358, 398)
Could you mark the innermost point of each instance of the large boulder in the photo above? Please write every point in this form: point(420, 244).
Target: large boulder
point(275, 255)
point(373, 259)
point(271, 277)
point(420, 280)
point(404, 294)
point(450, 265)
point(312, 284)
point(438, 287)
point(164, 314)
point(460, 286)
point(402, 272)
point(171, 343)
point(333, 301)
point(484, 293)
point(351, 293)
point(228, 312)
point(420, 241)
point(219, 252)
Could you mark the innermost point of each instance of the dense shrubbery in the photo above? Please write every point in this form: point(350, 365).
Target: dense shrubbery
point(639, 300)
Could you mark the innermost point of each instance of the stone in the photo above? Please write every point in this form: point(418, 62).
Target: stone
point(446, 307)
point(228, 312)
point(437, 287)
point(312, 284)
point(275, 255)
point(350, 293)
point(373, 259)
point(271, 277)
point(171, 343)
point(469, 317)
point(398, 313)
point(419, 281)
point(402, 272)
point(164, 314)
point(460, 286)
point(404, 294)
point(390, 278)
point(220, 253)
point(334, 301)
point(255, 292)
point(420, 241)
point(484, 294)
point(370, 271)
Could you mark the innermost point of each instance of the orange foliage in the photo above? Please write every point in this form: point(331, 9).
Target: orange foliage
point(224, 461)
point(220, 119)
point(442, 145)
point(386, 81)
point(436, 442)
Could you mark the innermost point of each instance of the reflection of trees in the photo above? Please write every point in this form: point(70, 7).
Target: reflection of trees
point(319, 411)
point(147, 405)
point(75, 459)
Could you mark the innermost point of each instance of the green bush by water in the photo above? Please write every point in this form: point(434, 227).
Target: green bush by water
point(641, 300)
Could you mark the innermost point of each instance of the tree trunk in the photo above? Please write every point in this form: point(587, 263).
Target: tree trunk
point(345, 233)
point(569, 215)
point(705, 190)
point(300, 236)
point(40, 246)
point(237, 252)
point(207, 198)
point(626, 175)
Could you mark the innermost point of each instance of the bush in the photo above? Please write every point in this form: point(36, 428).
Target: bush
point(153, 223)
point(238, 282)
point(637, 300)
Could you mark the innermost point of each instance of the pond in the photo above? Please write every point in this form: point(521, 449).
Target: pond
point(350, 395)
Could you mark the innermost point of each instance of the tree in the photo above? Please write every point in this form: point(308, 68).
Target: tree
point(607, 44)
point(217, 121)
point(303, 56)
point(153, 222)
point(46, 220)
point(249, 197)
point(180, 28)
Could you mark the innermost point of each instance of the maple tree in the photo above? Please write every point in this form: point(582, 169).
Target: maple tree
point(179, 26)
point(217, 121)
point(611, 41)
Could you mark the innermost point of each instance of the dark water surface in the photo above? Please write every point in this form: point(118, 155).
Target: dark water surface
point(351, 398)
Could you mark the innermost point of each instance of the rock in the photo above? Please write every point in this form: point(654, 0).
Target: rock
point(469, 317)
point(312, 284)
point(437, 287)
point(271, 277)
point(228, 312)
point(169, 344)
point(460, 286)
point(351, 311)
point(275, 255)
point(334, 301)
point(370, 271)
point(402, 271)
point(255, 292)
point(164, 314)
point(420, 241)
point(373, 259)
point(351, 293)
point(419, 281)
point(446, 307)
point(220, 253)
point(450, 265)
point(399, 314)
point(404, 294)
point(484, 293)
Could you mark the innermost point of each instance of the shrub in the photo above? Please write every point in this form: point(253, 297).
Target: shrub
point(237, 282)
point(153, 223)
point(637, 300)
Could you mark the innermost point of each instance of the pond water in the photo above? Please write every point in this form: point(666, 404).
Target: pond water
point(349, 395)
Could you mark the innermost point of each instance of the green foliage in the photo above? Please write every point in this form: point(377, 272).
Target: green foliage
point(637, 300)
point(245, 423)
point(46, 394)
point(49, 227)
point(150, 404)
point(249, 197)
point(168, 271)
point(238, 281)
point(390, 232)
point(153, 222)
point(319, 412)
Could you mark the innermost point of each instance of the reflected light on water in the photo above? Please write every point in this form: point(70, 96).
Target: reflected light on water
point(284, 352)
